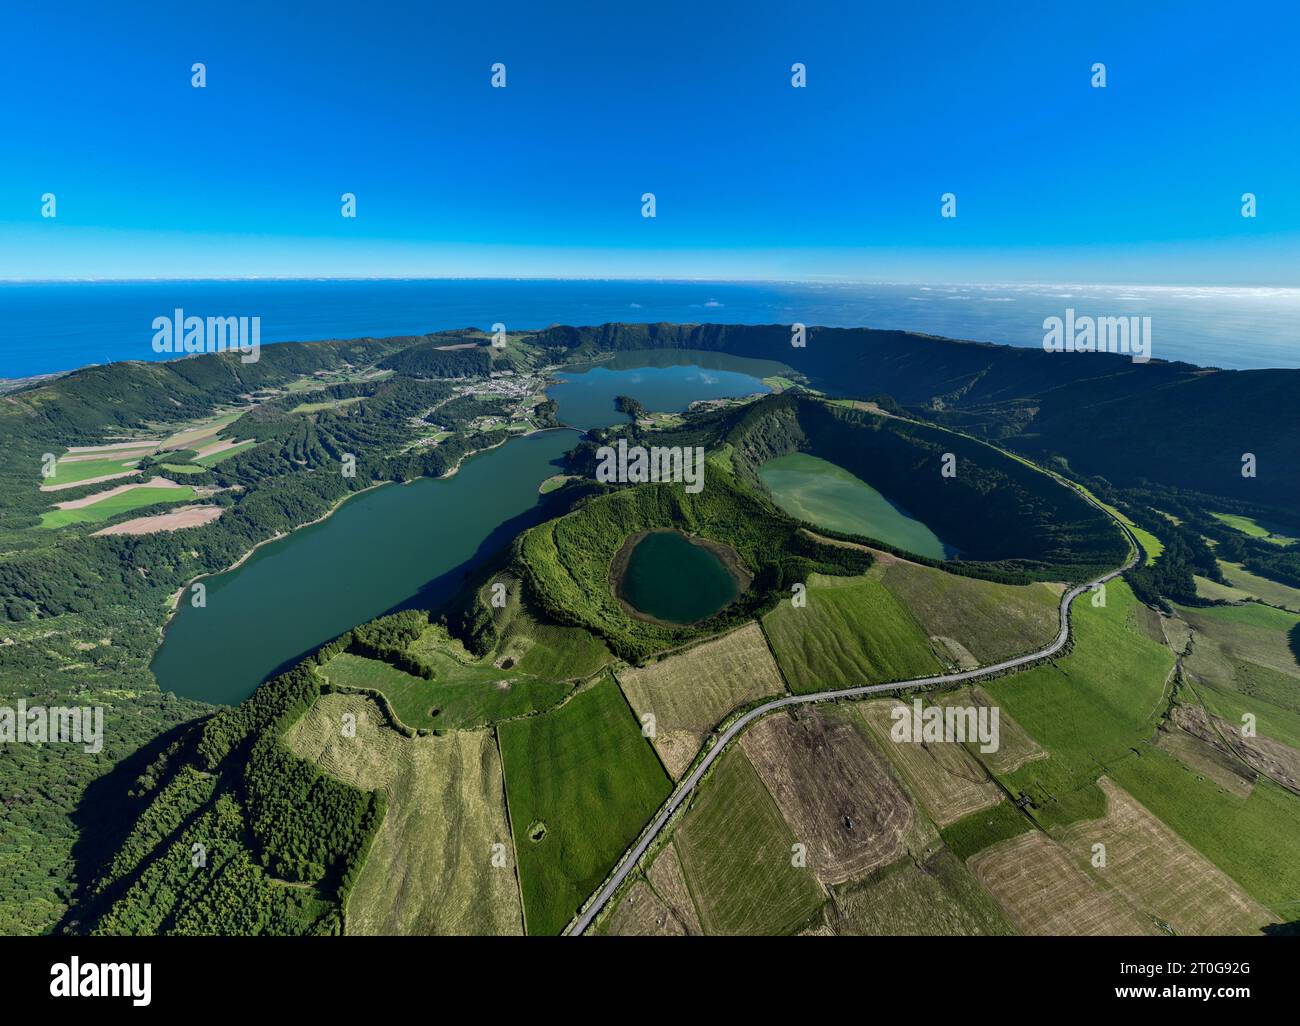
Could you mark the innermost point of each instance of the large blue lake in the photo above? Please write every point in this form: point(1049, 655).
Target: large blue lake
point(400, 543)
point(661, 382)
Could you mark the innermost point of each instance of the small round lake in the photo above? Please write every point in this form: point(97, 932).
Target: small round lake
point(672, 578)
point(663, 382)
point(826, 494)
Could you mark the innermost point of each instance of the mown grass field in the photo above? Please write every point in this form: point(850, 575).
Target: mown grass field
point(106, 509)
point(1043, 893)
point(1242, 661)
point(1096, 711)
point(852, 631)
point(431, 869)
point(581, 783)
point(669, 883)
point(1160, 874)
point(201, 431)
point(1015, 746)
point(552, 483)
point(936, 898)
point(1262, 588)
point(1191, 747)
point(1253, 632)
point(463, 696)
point(1252, 527)
point(1252, 840)
point(1089, 709)
point(992, 621)
point(690, 693)
point(944, 777)
point(642, 913)
point(1246, 695)
point(68, 472)
point(225, 454)
point(326, 404)
point(735, 850)
point(1213, 591)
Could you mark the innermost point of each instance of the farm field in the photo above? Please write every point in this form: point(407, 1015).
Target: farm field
point(1252, 632)
point(68, 472)
point(852, 631)
point(1042, 892)
point(430, 868)
point(120, 449)
point(1252, 527)
point(1243, 665)
point(1151, 545)
point(210, 456)
point(947, 781)
point(1254, 586)
point(1252, 840)
point(458, 697)
point(1089, 709)
point(736, 849)
point(641, 913)
point(129, 498)
point(1015, 746)
point(665, 876)
point(689, 694)
point(837, 794)
point(202, 430)
point(972, 834)
point(326, 404)
point(581, 782)
point(938, 897)
point(991, 621)
point(1159, 873)
point(1213, 591)
point(176, 520)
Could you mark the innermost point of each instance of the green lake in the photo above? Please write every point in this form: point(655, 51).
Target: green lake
point(379, 550)
point(826, 494)
point(670, 578)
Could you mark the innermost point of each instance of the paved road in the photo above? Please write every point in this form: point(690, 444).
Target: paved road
point(684, 789)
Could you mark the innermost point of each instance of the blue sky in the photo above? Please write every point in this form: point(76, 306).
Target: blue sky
point(1137, 182)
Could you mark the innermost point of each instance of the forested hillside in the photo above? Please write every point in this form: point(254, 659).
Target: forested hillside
point(81, 614)
point(1166, 423)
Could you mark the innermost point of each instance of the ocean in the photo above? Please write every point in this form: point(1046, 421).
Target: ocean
point(59, 326)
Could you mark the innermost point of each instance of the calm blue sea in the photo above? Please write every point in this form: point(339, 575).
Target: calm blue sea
point(48, 327)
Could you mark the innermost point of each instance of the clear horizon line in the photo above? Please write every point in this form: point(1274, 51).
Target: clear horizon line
point(636, 279)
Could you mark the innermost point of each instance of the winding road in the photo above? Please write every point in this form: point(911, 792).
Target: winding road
point(687, 785)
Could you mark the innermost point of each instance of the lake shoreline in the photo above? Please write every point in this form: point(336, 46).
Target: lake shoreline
point(173, 603)
point(725, 554)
